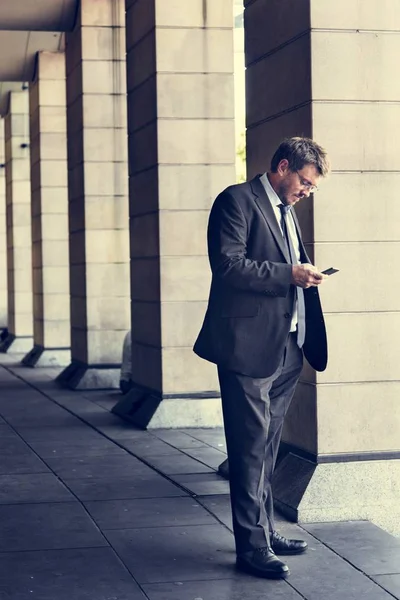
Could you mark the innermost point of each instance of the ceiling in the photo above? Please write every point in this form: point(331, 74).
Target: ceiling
point(38, 15)
point(26, 27)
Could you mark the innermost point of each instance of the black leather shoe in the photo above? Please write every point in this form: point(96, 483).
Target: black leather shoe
point(283, 546)
point(263, 563)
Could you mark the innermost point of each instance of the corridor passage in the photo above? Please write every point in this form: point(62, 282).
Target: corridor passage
point(93, 509)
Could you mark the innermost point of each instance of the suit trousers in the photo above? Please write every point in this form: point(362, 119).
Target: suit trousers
point(254, 412)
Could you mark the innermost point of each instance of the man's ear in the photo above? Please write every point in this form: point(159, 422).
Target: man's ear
point(283, 166)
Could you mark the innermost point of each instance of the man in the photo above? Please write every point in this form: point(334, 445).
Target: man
point(263, 312)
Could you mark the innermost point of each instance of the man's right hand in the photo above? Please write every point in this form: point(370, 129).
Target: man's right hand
point(306, 275)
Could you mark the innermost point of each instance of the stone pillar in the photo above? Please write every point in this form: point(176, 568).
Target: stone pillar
point(51, 303)
point(181, 155)
point(331, 69)
point(3, 237)
point(18, 217)
point(98, 194)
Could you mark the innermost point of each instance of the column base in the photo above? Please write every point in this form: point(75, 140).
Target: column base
point(338, 491)
point(47, 357)
point(81, 376)
point(150, 409)
point(16, 345)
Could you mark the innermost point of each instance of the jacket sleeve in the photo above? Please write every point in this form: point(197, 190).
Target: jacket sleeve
point(227, 249)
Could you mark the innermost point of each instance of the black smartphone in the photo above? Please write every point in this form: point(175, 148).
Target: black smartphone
point(329, 271)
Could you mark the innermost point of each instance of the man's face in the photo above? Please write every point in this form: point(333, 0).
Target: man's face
point(292, 186)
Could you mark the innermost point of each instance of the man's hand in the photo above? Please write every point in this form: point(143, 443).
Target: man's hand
point(306, 275)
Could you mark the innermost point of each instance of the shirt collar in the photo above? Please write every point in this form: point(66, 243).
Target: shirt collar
point(271, 193)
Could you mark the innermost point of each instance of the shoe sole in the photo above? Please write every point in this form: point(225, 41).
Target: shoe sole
point(264, 574)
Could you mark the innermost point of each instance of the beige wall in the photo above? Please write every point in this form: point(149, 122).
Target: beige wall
point(337, 83)
point(18, 200)
point(182, 154)
point(50, 203)
point(98, 184)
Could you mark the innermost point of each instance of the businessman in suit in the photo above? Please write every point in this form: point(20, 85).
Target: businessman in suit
point(263, 314)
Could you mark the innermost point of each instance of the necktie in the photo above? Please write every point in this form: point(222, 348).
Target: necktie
point(301, 311)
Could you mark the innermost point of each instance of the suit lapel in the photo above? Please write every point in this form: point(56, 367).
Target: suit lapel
point(263, 202)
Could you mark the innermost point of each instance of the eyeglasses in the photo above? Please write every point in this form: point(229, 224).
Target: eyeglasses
point(307, 184)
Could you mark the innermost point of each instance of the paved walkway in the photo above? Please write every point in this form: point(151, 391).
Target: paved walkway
point(92, 509)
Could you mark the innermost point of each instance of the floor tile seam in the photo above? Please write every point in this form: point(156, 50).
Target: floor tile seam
point(59, 549)
point(27, 473)
point(40, 503)
point(149, 527)
point(194, 525)
point(357, 569)
point(202, 461)
point(222, 578)
point(190, 436)
point(131, 498)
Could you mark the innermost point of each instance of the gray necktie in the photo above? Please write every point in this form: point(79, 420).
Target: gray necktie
point(301, 311)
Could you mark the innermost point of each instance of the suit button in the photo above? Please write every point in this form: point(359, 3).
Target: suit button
point(287, 315)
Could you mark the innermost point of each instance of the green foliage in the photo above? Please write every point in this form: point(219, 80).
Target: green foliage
point(241, 159)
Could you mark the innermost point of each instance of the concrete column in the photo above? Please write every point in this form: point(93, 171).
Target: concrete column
point(3, 237)
point(181, 155)
point(51, 303)
point(18, 217)
point(98, 194)
point(331, 66)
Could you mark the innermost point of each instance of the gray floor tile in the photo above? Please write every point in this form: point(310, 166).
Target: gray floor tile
point(33, 488)
point(173, 464)
point(46, 527)
point(212, 437)
point(44, 419)
point(150, 512)
point(116, 465)
point(97, 447)
point(203, 484)
point(177, 553)
point(122, 488)
point(322, 574)
point(209, 456)
point(12, 445)
point(58, 434)
point(391, 583)
point(149, 446)
point(79, 574)
point(370, 549)
point(240, 588)
point(23, 462)
point(6, 432)
point(177, 438)
point(114, 426)
point(380, 561)
point(220, 506)
point(354, 534)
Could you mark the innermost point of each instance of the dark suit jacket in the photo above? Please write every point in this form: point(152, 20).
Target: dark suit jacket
point(251, 299)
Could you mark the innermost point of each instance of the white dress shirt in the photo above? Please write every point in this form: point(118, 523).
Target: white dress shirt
point(275, 202)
